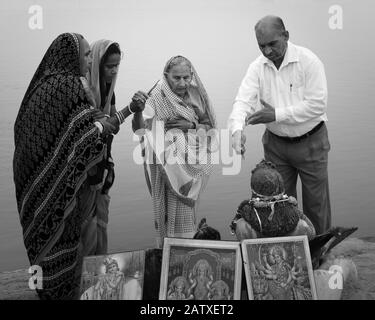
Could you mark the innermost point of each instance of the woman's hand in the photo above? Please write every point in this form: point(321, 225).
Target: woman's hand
point(98, 114)
point(138, 101)
point(179, 123)
point(108, 127)
point(114, 122)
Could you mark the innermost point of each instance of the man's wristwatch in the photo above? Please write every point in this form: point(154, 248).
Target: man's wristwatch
point(194, 125)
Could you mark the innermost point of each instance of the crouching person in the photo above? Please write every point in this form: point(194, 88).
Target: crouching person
point(269, 212)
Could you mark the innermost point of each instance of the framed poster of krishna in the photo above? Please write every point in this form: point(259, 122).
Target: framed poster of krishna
point(200, 270)
point(278, 269)
point(130, 275)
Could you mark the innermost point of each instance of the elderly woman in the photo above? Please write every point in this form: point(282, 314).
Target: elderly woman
point(177, 115)
point(58, 138)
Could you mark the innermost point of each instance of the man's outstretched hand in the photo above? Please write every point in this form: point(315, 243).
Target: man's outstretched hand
point(238, 142)
point(267, 114)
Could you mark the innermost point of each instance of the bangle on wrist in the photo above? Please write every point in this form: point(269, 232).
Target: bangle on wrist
point(99, 125)
point(194, 125)
point(103, 126)
point(118, 118)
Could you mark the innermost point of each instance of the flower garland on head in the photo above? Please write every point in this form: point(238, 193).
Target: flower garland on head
point(262, 201)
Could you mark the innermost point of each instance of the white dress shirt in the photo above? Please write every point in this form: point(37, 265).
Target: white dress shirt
point(297, 91)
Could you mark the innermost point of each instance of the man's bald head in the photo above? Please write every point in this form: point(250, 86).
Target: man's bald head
point(268, 23)
point(272, 38)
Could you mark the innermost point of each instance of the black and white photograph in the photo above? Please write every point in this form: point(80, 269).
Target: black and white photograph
point(128, 124)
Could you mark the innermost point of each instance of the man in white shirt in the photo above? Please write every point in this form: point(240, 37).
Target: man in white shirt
point(286, 89)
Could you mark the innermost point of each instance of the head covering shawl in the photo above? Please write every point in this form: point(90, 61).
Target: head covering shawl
point(98, 49)
point(98, 177)
point(56, 143)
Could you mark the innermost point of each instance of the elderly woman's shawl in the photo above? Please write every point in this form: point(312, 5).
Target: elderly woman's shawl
point(56, 143)
point(185, 179)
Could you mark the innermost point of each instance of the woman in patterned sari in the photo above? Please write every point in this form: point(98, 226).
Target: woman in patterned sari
point(179, 115)
point(58, 139)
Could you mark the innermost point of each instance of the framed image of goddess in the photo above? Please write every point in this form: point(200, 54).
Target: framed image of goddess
point(278, 269)
point(200, 270)
point(113, 277)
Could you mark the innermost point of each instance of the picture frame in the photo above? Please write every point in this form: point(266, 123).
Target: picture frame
point(200, 270)
point(116, 276)
point(278, 268)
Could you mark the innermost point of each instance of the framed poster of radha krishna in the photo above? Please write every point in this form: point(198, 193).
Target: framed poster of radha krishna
point(200, 270)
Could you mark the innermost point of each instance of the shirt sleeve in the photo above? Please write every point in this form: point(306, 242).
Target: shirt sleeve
point(314, 102)
point(246, 99)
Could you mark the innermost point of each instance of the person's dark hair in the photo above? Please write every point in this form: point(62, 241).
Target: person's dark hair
point(205, 232)
point(266, 180)
point(114, 48)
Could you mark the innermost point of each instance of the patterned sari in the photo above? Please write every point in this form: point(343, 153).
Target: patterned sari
point(175, 187)
point(56, 143)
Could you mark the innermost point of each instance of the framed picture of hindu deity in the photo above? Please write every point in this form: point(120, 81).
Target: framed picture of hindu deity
point(118, 276)
point(278, 269)
point(200, 270)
